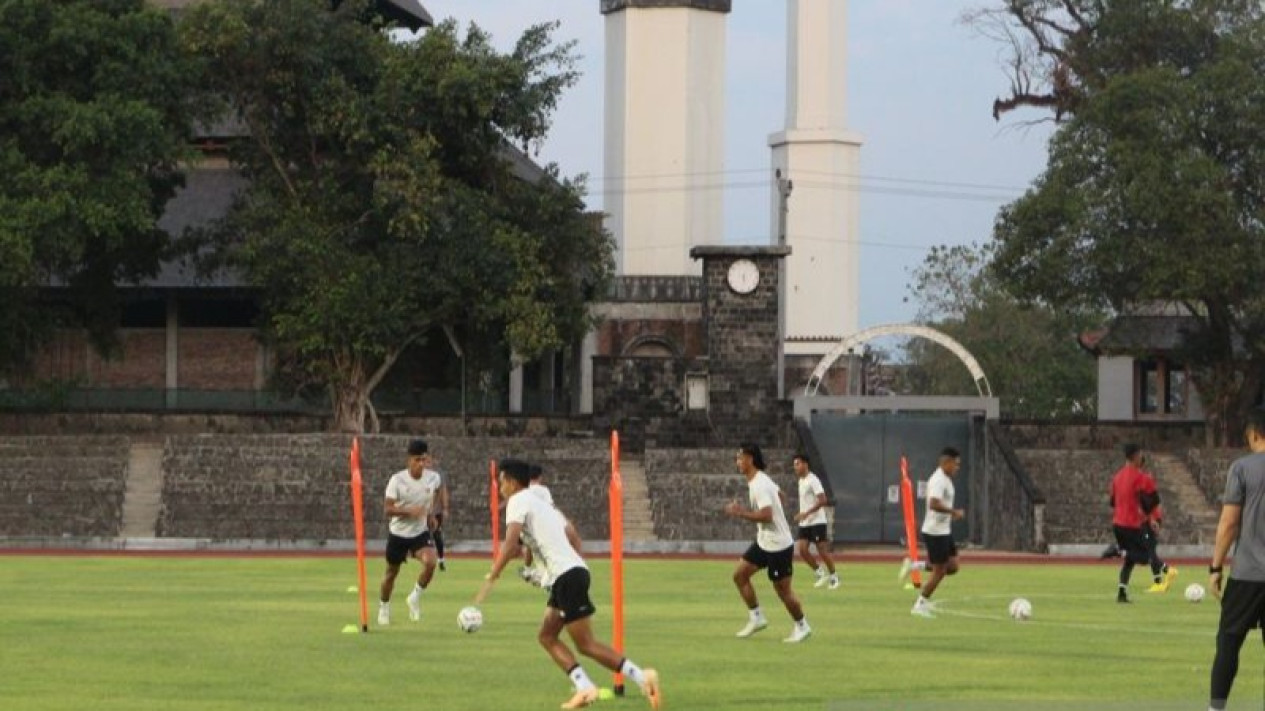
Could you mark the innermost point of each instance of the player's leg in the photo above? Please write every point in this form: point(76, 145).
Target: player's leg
point(396, 553)
point(585, 692)
point(806, 552)
point(753, 560)
point(780, 572)
point(1242, 605)
point(823, 551)
point(425, 554)
point(1134, 551)
point(581, 632)
point(940, 550)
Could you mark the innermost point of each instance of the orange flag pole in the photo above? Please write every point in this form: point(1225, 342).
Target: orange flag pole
point(617, 557)
point(358, 514)
point(907, 503)
point(494, 502)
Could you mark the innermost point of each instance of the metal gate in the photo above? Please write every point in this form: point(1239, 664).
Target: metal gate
point(862, 454)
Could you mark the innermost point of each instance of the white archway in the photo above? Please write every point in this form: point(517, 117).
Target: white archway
point(898, 329)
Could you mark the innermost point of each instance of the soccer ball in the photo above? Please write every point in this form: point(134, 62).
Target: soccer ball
point(470, 619)
point(1194, 592)
point(1020, 609)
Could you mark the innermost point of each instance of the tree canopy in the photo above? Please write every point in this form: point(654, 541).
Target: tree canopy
point(1155, 187)
point(94, 123)
point(386, 197)
point(1028, 351)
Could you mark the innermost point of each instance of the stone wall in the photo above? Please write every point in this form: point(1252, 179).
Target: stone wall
point(291, 487)
point(164, 423)
point(1013, 506)
point(1156, 436)
point(1210, 468)
point(62, 486)
point(689, 488)
point(644, 398)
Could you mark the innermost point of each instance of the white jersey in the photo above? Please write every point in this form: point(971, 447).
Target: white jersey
point(936, 523)
point(776, 534)
point(543, 492)
point(809, 489)
point(544, 532)
point(406, 492)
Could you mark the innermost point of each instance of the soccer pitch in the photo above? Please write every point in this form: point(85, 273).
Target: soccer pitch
point(134, 632)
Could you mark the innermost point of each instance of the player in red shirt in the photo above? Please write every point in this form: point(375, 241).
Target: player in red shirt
point(1161, 573)
point(1133, 498)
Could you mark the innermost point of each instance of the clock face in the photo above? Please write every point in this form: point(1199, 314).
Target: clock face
point(744, 276)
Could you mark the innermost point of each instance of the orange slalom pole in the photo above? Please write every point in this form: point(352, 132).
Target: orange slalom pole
point(358, 514)
point(907, 503)
point(494, 503)
point(617, 557)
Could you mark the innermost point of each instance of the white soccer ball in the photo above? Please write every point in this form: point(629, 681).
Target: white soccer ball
point(470, 619)
point(1194, 592)
point(1020, 609)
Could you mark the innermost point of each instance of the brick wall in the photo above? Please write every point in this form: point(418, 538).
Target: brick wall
point(614, 337)
point(141, 362)
point(217, 358)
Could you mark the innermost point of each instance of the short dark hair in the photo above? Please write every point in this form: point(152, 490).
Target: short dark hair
point(516, 469)
point(801, 457)
point(950, 453)
point(1255, 420)
point(417, 448)
point(757, 457)
point(1131, 449)
point(535, 471)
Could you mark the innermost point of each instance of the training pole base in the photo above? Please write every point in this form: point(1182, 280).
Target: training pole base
point(619, 689)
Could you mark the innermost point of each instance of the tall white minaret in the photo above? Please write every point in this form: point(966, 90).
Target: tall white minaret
point(665, 139)
point(821, 159)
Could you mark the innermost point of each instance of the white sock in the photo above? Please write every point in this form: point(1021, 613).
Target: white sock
point(384, 604)
point(632, 671)
point(756, 614)
point(821, 571)
point(579, 678)
point(417, 590)
point(918, 565)
point(802, 623)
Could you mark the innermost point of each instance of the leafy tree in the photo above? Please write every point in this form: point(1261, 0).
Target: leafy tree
point(1028, 351)
point(383, 201)
point(93, 127)
point(1155, 188)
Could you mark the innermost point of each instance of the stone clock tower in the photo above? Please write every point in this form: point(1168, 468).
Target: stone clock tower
point(742, 322)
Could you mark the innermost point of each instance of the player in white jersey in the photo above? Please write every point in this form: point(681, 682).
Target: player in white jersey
point(937, 531)
point(410, 497)
point(543, 529)
point(534, 571)
point(773, 548)
point(812, 524)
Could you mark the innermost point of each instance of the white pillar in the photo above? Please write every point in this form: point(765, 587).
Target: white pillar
point(821, 158)
point(172, 382)
point(665, 117)
point(516, 385)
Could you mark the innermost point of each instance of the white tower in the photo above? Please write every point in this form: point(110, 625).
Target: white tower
point(821, 158)
point(665, 117)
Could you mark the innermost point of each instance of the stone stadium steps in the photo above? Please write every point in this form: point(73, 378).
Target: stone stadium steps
point(142, 500)
point(1196, 520)
point(638, 520)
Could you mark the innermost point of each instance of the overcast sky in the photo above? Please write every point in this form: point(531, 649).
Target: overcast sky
point(935, 166)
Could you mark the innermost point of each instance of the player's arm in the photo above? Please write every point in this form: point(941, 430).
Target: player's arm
point(1227, 534)
point(819, 505)
point(760, 515)
point(573, 536)
point(443, 496)
point(509, 551)
point(939, 506)
point(393, 508)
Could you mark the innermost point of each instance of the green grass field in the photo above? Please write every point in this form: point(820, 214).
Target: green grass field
point(134, 633)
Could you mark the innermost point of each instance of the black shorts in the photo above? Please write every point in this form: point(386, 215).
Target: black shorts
point(940, 548)
point(570, 595)
point(1132, 544)
point(399, 548)
point(778, 563)
point(813, 534)
point(1242, 606)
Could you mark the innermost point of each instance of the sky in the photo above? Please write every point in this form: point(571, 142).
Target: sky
point(935, 166)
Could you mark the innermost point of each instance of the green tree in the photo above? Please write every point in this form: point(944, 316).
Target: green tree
point(1028, 351)
point(94, 123)
point(383, 198)
point(1155, 187)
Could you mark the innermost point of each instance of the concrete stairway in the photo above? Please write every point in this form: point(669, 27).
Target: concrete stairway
point(1189, 516)
point(638, 523)
point(142, 500)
